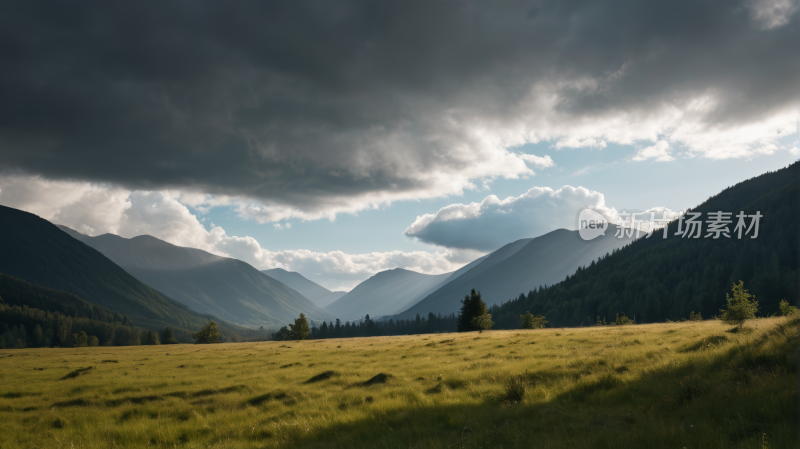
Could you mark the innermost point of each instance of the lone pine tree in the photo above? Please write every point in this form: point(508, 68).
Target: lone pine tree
point(740, 307)
point(471, 306)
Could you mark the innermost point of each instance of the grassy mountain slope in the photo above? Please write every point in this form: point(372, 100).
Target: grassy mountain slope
point(655, 279)
point(316, 293)
point(225, 287)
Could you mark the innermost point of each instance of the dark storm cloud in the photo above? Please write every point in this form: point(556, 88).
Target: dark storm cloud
point(317, 103)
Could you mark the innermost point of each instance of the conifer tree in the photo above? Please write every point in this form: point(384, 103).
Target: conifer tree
point(168, 336)
point(740, 307)
point(471, 306)
point(323, 330)
point(150, 338)
point(38, 336)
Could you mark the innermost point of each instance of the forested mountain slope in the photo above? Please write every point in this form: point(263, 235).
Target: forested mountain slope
point(35, 250)
point(657, 279)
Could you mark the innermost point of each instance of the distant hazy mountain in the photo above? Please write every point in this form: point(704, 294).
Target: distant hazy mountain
point(36, 251)
point(386, 293)
point(516, 268)
point(228, 288)
point(318, 294)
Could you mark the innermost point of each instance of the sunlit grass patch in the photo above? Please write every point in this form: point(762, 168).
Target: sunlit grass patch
point(637, 386)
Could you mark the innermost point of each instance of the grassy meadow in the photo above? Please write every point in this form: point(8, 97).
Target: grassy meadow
point(672, 385)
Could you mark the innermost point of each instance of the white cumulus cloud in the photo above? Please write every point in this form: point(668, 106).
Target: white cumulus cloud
point(493, 222)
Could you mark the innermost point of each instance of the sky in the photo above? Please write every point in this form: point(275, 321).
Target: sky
point(340, 139)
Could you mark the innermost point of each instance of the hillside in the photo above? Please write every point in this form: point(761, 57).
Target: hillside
point(519, 266)
point(316, 293)
point(59, 315)
point(35, 250)
point(206, 283)
point(385, 293)
point(657, 279)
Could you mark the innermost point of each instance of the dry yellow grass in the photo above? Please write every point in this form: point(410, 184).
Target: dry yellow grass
point(685, 384)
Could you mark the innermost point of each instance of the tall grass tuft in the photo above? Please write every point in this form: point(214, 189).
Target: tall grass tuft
point(515, 389)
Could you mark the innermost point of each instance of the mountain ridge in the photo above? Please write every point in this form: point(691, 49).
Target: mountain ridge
point(207, 283)
point(518, 266)
point(385, 293)
point(316, 293)
point(36, 251)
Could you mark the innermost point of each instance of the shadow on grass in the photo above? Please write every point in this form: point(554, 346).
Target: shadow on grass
point(736, 397)
point(287, 398)
point(322, 376)
point(76, 373)
point(83, 402)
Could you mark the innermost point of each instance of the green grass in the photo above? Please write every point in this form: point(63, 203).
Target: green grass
point(672, 385)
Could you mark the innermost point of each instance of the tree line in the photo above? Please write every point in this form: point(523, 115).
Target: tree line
point(368, 327)
point(472, 316)
point(29, 327)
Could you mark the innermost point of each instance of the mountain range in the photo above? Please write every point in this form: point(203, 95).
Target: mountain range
point(36, 251)
point(386, 293)
point(517, 267)
point(158, 284)
point(228, 288)
point(316, 293)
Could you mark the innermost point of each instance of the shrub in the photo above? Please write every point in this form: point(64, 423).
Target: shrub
point(740, 307)
point(94, 341)
point(601, 322)
point(299, 330)
point(482, 322)
point(80, 339)
point(208, 334)
point(785, 308)
point(695, 316)
point(622, 320)
point(531, 321)
point(515, 389)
